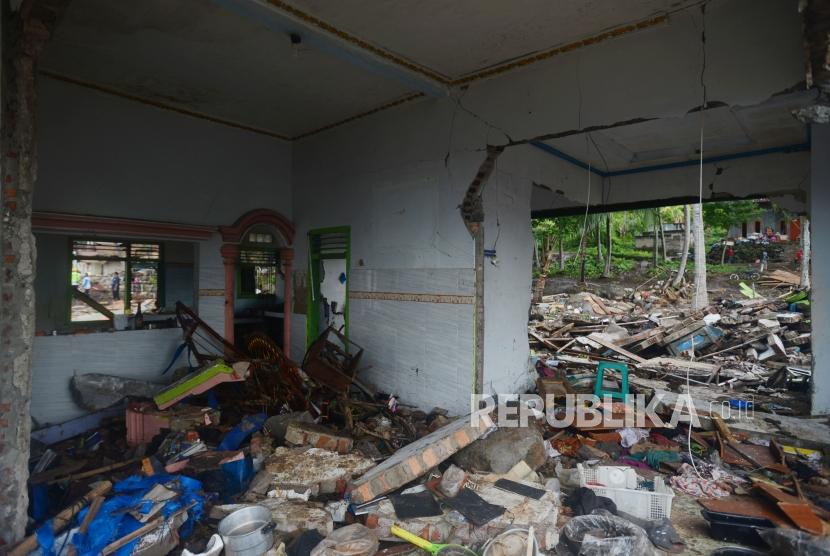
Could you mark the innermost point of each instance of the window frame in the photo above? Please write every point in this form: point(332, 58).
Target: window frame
point(253, 295)
point(127, 278)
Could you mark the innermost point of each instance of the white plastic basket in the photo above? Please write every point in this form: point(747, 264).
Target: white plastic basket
point(638, 501)
point(610, 476)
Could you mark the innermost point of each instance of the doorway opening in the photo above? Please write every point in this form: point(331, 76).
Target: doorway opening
point(328, 274)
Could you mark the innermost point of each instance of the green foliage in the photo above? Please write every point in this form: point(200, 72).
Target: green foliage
point(724, 214)
point(625, 225)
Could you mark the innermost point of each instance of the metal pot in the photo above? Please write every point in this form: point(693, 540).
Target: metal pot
point(248, 532)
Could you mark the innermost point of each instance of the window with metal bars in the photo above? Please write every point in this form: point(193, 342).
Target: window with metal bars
point(114, 278)
point(258, 268)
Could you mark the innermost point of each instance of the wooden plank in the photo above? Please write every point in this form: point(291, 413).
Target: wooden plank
point(615, 348)
point(680, 364)
point(683, 331)
point(81, 296)
point(541, 340)
point(640, 336)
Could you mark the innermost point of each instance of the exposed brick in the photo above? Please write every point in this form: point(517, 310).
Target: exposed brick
point(309, 434)
point(416, 459)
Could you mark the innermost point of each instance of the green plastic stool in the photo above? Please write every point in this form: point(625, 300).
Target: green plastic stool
point(623, 369)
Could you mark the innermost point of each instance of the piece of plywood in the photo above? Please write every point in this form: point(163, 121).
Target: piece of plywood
point(615, 348)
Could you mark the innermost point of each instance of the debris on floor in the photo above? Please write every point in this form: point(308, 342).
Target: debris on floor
point(250, 451)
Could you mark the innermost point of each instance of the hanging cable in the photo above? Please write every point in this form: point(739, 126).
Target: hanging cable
point(700, 203)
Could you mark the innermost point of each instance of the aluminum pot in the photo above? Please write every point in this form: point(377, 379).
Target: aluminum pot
point(248, 532)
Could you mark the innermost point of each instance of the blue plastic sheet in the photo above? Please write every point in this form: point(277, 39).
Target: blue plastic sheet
point(237, 435)
point(46, 538)
point(113, 520)
point(40, 503)
point(238, 475)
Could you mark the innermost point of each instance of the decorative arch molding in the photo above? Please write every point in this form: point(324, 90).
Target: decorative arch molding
point(232, 236)
point(268, 217)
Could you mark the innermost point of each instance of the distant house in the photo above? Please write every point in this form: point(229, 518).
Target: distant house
point(674, 238)
point(782, 224)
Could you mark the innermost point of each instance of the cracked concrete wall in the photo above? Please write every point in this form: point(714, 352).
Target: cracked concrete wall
point(398, 177)
point(399, 188)
point(820, 258)
point(754, 51)
point(782, 177)
point(22, 37)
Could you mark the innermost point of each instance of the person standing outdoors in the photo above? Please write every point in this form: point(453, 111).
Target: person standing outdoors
point(86, 283)
point(116, 287)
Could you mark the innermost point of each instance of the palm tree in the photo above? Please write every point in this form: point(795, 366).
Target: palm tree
point(687, 234)
point(606, 272)
point(805, 252)
point(701, 299)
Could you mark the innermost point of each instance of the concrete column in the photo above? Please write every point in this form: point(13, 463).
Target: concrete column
point(820, 300)
point(287, 258)
point(25, 29)
point(230, 256)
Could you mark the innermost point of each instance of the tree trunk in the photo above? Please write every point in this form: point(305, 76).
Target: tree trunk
point(561, 254)
point(805, 252)
point(536, 259)
point(684, 257)
point(581, 251)
point(701, 299)
point(599, 243)
point(606, 273)
point(548, 255)
point(662, 234)
point(654, 251)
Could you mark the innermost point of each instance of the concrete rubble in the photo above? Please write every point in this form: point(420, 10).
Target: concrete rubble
point(367, 469)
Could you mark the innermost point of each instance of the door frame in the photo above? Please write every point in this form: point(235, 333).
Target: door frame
point(313, 289)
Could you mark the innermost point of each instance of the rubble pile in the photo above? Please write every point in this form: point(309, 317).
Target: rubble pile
point(249, 452)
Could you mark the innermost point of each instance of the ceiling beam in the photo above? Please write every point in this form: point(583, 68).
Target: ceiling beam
point(800, 147)
point(567, 158)
point(270, 16)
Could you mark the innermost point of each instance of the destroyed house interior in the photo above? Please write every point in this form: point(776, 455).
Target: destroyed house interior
point(279, 277)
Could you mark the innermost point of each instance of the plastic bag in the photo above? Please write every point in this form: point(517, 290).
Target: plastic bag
point(605, 535)
point(797, 543)
point(351, 540)
point(237, 435)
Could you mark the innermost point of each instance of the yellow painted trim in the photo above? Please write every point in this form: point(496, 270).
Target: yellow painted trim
point(467, 79)
point(377, 51)
point(556, 51)
point(380, 108)
point(157, 104)
point(357, 41)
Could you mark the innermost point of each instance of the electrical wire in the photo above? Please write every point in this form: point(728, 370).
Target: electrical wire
point(700, 204)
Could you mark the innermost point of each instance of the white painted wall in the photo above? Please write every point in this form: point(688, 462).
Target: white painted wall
point(106, 156)
point(820, 257)
point(780, 176)
point(139, 354)
point(507, 278)
point(754, 50)
point(391, 180)
point(397, 178)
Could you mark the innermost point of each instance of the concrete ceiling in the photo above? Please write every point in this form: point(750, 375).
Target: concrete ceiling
point(226, 59)
point(664, 141)
point(194, 55)
point(461, 37)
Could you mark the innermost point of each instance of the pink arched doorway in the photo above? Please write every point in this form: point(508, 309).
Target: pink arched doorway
point(233, 237)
